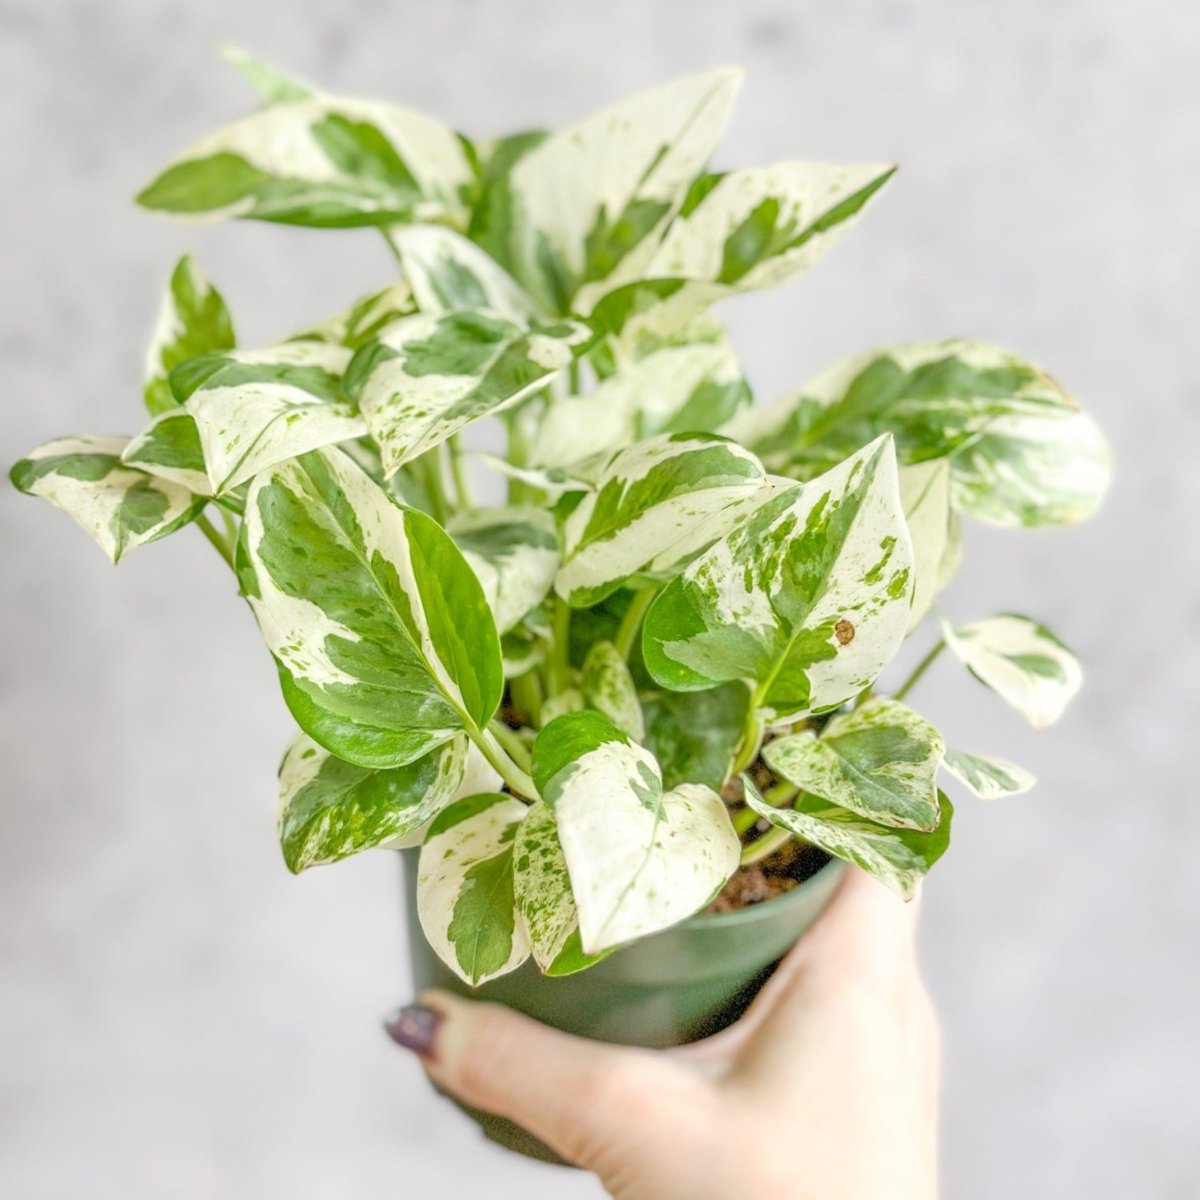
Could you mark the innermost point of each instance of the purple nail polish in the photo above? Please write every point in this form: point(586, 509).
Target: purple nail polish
point(415, 1028)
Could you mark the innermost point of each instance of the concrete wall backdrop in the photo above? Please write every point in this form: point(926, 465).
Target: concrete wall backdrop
point(180, 1017)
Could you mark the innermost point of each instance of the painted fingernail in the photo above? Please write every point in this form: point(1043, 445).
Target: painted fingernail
point(415, 1028)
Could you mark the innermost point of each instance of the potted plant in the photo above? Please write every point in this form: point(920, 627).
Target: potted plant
point(628, 715)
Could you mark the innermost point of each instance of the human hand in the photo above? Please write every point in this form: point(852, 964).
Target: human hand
point(827, 1089)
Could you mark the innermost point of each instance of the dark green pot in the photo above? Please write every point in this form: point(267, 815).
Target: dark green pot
point(673, 987)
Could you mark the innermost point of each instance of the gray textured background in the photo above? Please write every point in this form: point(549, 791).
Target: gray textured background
point(180, 1017)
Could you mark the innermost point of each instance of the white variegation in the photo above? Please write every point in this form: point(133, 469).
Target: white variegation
point(447, 272)
point(543, 886)
point(569, 700)
point(879, 761)
point(608, 687)
point(989, 778)
point(170, 448)
point(925, 498)
point(514, 554)
point(642, 151)
point(477, 935)
point(639, 859)
point(365, 319)
point(551, 480)
point(1020, 660)
point(648, 397)
point(120, 507)
point(653, 508)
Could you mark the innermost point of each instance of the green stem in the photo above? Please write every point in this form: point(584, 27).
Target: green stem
point(743, 820)
point(462, 484)
point(766, 845)
point(512, 744)
point(433, 484)
point(527, 695)
point(631, 622)
point(207, 528)
point(518, 781)
point(560, 651)
point(920, 669)
point(749, 742)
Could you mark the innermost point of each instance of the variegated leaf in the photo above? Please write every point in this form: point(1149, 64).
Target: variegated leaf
point(1020, 660)
point(320, 161)
point(639, 859)
point(272, 84)
point(747, 229)
point(925, 498)
point(808, 598)
point(683, 389)
point(465, 888)
point(429, 376)
point(330, 809)
point(897, 857)
point(569, 700)
point(447, 273)
point(551, 480)
point(655, 506)
point(879, 761)
point(260, 407)
point(192, 320)
point(587, 204)
point(608, 687)
point(693, 735)
point(1020, 451)
point(383, 638)
point(365, 319)
point(989, 778)
point(170, 448)
point(120, 507)
point(514, 552)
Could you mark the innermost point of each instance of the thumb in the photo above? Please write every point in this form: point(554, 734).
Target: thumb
point(572, 1093)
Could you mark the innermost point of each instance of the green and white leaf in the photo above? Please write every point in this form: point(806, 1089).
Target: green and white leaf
point(381, 632)
point(655, 506)
point(192, 320)
point(879, 761)
point(748, 229)
point(639, 859)
point(590, 201)
point(272, 84)
point(330, 809)
point(683, 389)
point(1020, 451)
point(120, 507)
point(465, 888)
point(320, 161)
point(808, 598)
point(608, 687)
point(429, 376)
point(1020, 660)
point(551, 480)
point(448, 273)
point(365, 319)
point(925, 498)
point(693, 735)
point(514, 553)
point(170, 449)
point(989, 778)
point(897, 857)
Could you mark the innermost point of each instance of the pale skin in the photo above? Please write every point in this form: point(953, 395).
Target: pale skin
point(827, 1089)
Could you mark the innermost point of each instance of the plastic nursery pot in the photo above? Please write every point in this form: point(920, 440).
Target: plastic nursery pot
point(678, 986)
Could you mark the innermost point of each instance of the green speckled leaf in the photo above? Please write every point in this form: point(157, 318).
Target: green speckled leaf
point(608, 687)
point(366, 318)
point(878, 761)
point(808, 598)
point(897, 857)
point(989, 778)
point(1020, 660)
point(465, 888)
point(655, 506)
point(429, 376)
point(639, 859)
point(1020, 451)
point(170, 448)
point(192, 320)
point(694, 734)
point(330, 809)
point(320, 161)
point(384, 641)
point(120, 507)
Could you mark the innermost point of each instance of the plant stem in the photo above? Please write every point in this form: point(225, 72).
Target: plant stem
point(766, 845)
point(527, 695)
point(462, 484)
point(560, 651)
point(207, 528)
point(749, 742)
point(518, 781)
point(433, 484)
point(513, 746)
point(631, 622)
point(920, 669)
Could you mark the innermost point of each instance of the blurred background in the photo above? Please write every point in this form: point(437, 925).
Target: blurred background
point(182, 1018)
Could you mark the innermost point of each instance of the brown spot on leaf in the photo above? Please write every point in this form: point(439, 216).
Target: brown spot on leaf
point(844, 632)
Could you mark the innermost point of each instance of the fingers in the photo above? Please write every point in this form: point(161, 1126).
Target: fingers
point(576, 1095)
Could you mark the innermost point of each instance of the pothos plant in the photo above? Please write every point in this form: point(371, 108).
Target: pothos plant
point(557, 697)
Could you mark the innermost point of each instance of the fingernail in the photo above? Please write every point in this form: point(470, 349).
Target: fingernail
point(415, 1028)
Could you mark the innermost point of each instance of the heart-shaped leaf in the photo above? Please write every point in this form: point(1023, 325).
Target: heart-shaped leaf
point(988, 778)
